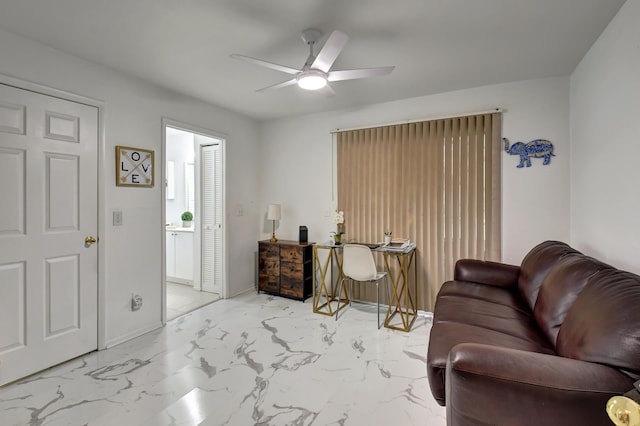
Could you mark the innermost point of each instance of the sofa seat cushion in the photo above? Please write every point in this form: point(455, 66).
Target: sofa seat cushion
point(487, 318)
point(470, 290)
point(501, 319)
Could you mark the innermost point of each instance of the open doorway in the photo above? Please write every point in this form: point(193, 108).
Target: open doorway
point(193, 211)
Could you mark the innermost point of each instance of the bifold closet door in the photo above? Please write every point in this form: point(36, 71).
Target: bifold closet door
point(211, 179)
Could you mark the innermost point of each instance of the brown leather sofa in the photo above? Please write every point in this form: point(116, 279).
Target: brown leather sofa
point(546, 343)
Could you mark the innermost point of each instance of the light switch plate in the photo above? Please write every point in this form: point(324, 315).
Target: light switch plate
point(117, 218)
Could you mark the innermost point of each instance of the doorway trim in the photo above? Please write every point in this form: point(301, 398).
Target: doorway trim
point(101, 192)
point(222, 137)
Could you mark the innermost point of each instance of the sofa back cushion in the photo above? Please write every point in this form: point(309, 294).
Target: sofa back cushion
point(536, 265)
point(560, 289)
point(603, 325)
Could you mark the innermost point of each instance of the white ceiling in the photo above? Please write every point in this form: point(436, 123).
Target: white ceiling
point(436, 45)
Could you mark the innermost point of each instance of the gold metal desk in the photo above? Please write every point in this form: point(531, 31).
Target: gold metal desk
point(325, 281)
point(403, 295)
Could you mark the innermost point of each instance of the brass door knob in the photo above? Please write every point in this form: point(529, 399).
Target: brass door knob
point(90, 240)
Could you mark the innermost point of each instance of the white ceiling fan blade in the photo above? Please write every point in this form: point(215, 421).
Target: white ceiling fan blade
point(330, 51)
point(279, 85)
point(271, 65)
point(359, 73)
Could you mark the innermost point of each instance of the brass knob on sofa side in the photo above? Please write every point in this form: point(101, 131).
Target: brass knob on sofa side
point(623, 411)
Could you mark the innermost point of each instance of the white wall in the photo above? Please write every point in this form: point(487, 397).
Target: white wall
point(133, 112)
point(180, 150)
point(297, 168)
point(605, 127)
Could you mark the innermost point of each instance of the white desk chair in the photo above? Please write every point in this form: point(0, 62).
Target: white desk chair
point(358, 265)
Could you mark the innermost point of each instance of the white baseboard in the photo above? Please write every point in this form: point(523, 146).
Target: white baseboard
point(136, 333)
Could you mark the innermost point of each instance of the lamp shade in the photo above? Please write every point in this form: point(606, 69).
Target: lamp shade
point(274, 212)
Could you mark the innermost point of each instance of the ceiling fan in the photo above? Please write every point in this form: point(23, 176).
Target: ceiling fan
point(316, 71)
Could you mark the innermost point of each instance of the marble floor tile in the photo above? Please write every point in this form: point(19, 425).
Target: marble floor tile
point(251, 360)
point(182, 299)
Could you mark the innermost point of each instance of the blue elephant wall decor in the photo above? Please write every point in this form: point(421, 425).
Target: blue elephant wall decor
point(539, 148)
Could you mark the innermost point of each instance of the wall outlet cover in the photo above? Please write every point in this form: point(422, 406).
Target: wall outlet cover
point(136, 302)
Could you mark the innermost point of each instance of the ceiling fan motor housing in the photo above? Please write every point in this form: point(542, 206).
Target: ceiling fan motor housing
point(311, 35)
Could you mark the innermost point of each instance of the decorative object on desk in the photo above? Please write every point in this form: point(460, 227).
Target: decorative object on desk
point(337, 238)
point(338, 219)
point(274, 212)
point(134, 167)
point(186, 217)
point(387, 237)
point(400, 245)
point(399, 242)
point(303, 236)
point(539, 148)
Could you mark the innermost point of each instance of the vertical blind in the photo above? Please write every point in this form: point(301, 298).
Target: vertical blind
point(434, 182)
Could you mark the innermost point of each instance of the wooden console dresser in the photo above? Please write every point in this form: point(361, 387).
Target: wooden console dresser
point(285, 268)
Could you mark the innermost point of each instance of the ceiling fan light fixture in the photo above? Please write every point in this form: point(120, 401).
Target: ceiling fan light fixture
point(316, 73)
point(312, 80)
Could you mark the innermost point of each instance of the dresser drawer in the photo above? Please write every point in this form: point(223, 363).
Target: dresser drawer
point(269, 251)
point(291, 254)
point(269, 271)
point(291, 279)
point(269, 283)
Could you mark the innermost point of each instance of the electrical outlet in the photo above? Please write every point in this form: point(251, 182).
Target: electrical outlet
point(136, 302)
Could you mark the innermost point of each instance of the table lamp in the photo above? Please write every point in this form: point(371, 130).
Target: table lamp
point(274, 212)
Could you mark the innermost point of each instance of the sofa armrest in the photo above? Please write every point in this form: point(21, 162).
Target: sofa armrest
point(486, 272)
point(492, 385)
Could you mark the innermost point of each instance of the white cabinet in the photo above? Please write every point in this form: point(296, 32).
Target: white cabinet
point(180, 255)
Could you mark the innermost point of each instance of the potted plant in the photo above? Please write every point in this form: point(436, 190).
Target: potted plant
point(187, 217)
point(337, 238)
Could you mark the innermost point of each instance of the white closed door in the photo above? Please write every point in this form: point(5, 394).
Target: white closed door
point(48, 208)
